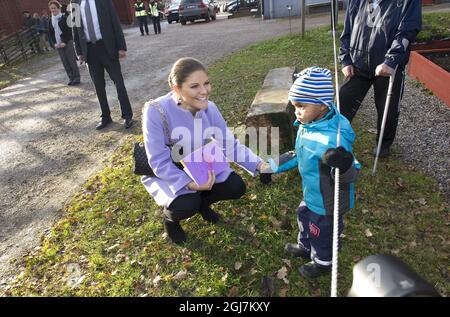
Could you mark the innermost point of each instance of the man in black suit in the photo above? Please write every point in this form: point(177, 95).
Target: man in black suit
point(99, 41)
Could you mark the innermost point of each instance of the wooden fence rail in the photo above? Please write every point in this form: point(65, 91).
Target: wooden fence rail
point(18, 45)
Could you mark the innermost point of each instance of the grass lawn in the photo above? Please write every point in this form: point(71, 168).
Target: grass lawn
point(435, 26)
point(110, 239)
point(24, 68)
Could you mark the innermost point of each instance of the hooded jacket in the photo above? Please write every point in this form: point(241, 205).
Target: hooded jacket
point(313, 139)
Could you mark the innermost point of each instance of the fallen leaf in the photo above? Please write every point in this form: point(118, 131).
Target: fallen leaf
point(287, 262)
point(253, 271)
point(364, 211)
point(113, 247)
point(283, 292)
point(281, 274)
point(224, 278)
point(212, 232)
point(253, 196)
point(156, 280)
point(368, 233)
point(276, 223)
point(413, 244)
point(373, 131)
point(233, 291)
point(237, 265)
point(251, 229)
point(421, 201)
point(180, 275)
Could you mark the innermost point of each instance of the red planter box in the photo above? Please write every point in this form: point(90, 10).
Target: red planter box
point(431, 75)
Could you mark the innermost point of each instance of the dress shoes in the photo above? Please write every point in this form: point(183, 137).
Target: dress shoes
point(103, 123)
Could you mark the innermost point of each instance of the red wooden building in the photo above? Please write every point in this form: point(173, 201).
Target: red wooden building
point(11, 12)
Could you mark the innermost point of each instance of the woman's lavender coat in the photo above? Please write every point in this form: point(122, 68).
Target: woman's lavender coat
point(171, 181)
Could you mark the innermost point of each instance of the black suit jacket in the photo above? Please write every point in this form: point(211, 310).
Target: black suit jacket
point(66, 34)
point(110, 28)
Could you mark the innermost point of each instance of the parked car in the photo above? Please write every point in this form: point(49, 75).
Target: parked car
point(232, 6)
point(191, 10)
point(172, 12)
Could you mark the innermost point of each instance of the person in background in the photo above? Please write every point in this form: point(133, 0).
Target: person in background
point(46, 19)
point(376, 40)
point(40, 29)
point(99, 41)
point(141, 15)
point(31, 34)
point(61, 37)
point(154, 12)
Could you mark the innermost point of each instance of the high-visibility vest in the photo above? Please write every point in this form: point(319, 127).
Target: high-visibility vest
point(154, 10)
point(140, 9)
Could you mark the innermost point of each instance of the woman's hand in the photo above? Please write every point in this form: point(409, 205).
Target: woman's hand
point(205, 187)
point(264, 167)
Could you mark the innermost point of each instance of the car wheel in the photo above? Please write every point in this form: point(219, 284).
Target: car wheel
point(214, 17)
point(169, 21)
point(183, 22)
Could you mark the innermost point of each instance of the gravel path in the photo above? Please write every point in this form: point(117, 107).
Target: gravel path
point(423, 133)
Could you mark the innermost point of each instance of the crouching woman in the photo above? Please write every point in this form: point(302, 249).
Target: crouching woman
point(187, 116)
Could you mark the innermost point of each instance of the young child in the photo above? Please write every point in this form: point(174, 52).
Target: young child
point(316, 156)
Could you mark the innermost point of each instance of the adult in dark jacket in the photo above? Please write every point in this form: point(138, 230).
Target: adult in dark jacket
point(61, 38)
point(99, 41)
point(376, 39)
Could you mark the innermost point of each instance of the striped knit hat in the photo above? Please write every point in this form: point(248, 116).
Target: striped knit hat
point(313, 85)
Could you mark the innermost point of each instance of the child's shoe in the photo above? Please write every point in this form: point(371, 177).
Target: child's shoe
point(314, 270)
point(297, 250)
point(174, 231)
point(210, 215)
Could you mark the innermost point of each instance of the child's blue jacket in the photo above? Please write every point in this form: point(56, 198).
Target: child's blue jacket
point(313, 139)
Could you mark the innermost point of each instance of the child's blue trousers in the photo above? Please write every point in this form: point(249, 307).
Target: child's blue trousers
point(316, 234)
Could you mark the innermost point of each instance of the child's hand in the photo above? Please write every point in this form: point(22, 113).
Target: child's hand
point(338, 158)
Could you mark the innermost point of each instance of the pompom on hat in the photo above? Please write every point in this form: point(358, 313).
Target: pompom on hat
point(313, 85)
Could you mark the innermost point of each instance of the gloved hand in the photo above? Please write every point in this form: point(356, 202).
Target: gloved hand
point(338, 158)
point(265, 178)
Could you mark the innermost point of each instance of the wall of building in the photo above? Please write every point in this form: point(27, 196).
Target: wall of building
point(274, 9)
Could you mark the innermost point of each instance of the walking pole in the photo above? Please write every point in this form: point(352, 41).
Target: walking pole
point(334, 265)
point(383, 123)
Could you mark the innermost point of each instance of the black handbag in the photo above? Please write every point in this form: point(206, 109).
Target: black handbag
point(141, 166)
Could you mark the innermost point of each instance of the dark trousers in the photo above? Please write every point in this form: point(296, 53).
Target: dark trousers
point(69, 61)
point(185, 206)
point(143, 23)
point(98, 60)
point(156, 24)
point(316, 234)
point(354, 90)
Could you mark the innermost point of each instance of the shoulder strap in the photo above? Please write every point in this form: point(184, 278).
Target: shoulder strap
point(163, 117)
